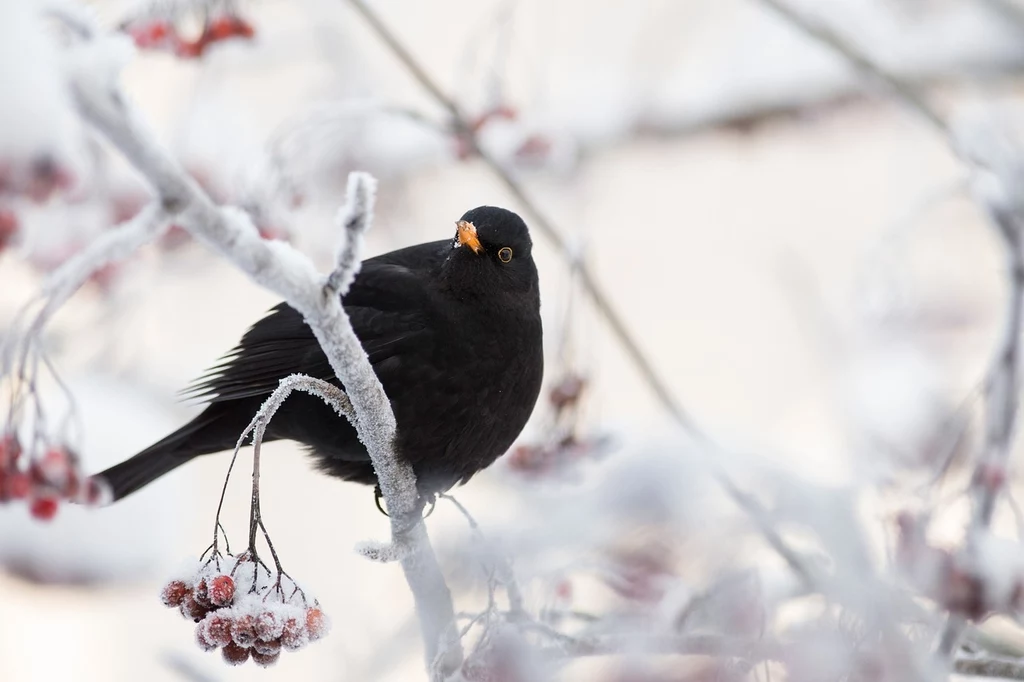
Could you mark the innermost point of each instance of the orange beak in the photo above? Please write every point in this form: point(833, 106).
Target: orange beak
point(467, 236)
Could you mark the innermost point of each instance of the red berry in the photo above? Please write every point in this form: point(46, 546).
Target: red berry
point(271, 647)
point(294, 635)
point(265, 660)
point(19, 485)
point(44, 508)
point(53, 468)
point(243, 28)
point(316, 623)
point(8, 228)
point(221, 590)
point(10, 448)
point(190, 608)
point(217, 629)
point(202, 639)
point(202, 595)
point(220, 28)
point(189, 49)
point(150, 34)
point(243, 630)
point(234, 654)
point(174, 593)
point(268, 626)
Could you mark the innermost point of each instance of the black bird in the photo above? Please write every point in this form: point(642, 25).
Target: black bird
point(453, 331)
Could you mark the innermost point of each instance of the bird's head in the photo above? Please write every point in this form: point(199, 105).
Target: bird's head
point(491, 253)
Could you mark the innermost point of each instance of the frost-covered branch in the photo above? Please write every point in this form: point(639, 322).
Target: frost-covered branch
point(108, 248)
point(288, 273)
point(990, 666)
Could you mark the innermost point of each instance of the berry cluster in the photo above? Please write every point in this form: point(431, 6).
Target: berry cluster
point(44, 480)
point(162, 34)
point(246, 611)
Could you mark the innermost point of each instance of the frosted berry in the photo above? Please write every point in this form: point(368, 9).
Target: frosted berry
point(54, 467)
point(221, 590)
point(268, 626)
point(44, 508)
point(265, 660)
point(294, 635)
point(191, 608)
point(316, 623)
point(271, 647)
point(202, 638)
point(234, 654)
point(217, 629)
point(243, 630)
point(202, 595)
point(174, 593)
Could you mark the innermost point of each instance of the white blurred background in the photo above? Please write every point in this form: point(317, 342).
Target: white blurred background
point(792, 248)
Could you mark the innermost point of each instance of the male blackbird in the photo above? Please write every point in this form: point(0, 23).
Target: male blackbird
point(453, 331)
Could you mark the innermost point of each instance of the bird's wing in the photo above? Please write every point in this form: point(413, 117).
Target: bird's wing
point(386, 305)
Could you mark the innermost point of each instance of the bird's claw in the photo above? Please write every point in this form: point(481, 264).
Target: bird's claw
point(422, 502)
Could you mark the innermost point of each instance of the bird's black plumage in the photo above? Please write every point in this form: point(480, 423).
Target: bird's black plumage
point(453, 332)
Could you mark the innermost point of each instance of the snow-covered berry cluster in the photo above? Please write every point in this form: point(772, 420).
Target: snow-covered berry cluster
point(155, 33)
point(45, 478)
point(247, 611)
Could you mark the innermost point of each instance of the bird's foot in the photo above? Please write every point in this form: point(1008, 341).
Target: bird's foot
point(421, 502)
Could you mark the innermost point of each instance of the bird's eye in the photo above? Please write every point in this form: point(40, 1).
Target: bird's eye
point(504, 254)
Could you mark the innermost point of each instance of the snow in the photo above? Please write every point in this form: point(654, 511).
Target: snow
point(37, 120)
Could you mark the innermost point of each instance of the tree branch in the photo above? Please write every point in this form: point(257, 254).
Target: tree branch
point(288, 273)
point(990, 666)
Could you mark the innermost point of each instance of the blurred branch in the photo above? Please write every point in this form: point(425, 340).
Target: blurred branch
point(831, 39)
point(1001, 401)
point(751, 650)
point(1009, 10)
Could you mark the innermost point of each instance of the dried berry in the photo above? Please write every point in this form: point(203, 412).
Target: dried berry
point(234, 654)
point(174, 593)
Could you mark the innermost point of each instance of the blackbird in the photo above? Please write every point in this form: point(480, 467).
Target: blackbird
point(452, 329)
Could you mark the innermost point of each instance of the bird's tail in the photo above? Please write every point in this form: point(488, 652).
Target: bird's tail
point(198, 437)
